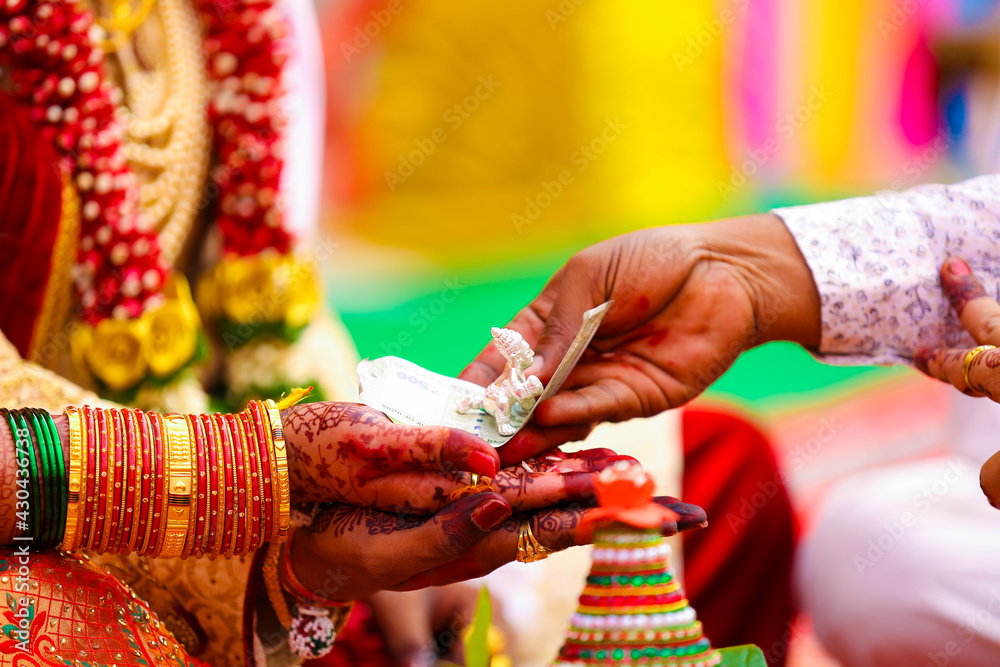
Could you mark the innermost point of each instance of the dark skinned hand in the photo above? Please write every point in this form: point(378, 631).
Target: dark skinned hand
point(689, 299)
point(338, 558)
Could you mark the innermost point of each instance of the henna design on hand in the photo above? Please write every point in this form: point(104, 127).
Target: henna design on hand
point(325, 456)
point(342, 519)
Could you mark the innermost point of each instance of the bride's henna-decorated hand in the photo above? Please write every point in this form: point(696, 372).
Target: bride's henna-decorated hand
point(338, 558)
point(555, 529)
point(350, 453)
point(551, 479)
point(336, 450)
point(689, 299)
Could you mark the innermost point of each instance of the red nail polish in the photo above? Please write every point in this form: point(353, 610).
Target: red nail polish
point(958, 267)
point(490, 514)
point(482, 464)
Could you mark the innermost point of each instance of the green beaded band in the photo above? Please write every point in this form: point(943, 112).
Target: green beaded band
point(61, 478)
point(23, 464)
point(635, 580)
point(648, 652)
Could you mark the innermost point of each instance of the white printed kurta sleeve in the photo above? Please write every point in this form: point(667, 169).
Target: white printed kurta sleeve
point(875, 261)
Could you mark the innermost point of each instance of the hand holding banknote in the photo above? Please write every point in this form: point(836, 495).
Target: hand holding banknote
point(688, 300)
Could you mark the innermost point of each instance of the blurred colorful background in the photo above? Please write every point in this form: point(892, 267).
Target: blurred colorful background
point(472, 148)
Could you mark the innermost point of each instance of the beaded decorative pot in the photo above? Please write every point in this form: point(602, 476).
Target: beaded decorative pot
point(633, 610)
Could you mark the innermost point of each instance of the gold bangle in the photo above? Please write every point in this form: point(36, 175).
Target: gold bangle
point(530, 549)
point(967, 362)
point(77, 465)
point(179, 485)
point(279, 472)
point(273, 586)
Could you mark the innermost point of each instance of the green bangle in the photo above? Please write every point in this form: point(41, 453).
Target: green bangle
point(46, 468)
point(41, 466)
point(35, 499)
point(42, 451)
point(61, 481)
point(23, 466)
point(50, 478)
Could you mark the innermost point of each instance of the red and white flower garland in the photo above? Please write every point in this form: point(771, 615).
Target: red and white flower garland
point(246, 50)
point(50, 49)
point(57, 73)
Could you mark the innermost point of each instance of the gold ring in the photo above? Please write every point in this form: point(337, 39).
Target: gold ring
point(479, 485)
point(529, 549)
point(969, 356)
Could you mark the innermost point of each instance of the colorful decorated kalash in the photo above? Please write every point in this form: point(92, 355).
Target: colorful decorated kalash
point(633, 610)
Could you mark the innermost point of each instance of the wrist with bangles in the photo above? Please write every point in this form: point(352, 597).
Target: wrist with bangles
point(313, 629)
point(165, 486)
point(162, 486)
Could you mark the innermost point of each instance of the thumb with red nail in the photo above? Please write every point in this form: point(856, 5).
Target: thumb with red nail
point(970, 369)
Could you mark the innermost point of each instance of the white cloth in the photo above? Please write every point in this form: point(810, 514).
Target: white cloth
point(903, 569)
point(875, 261)
point(903, 565)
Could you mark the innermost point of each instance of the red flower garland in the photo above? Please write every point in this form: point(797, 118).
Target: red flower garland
point(57, 73)
point(246, 49)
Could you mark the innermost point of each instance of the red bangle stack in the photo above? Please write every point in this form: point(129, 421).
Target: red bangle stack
point(264, 452)
point(199, 485)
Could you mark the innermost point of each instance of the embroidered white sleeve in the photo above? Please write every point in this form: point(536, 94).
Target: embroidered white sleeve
point(875, 261)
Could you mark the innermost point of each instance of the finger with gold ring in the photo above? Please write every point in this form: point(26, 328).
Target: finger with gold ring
point(479, 485)
point(967, 362)
point(530, 549)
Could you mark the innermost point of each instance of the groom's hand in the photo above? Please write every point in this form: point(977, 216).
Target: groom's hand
point(689, 299)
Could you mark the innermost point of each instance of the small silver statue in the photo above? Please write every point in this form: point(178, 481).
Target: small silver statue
point(511, 387)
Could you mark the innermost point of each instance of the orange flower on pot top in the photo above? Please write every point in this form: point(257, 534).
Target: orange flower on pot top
point(625, 495)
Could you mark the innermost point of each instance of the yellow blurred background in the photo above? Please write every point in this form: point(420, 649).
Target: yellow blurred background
point(473, 147)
